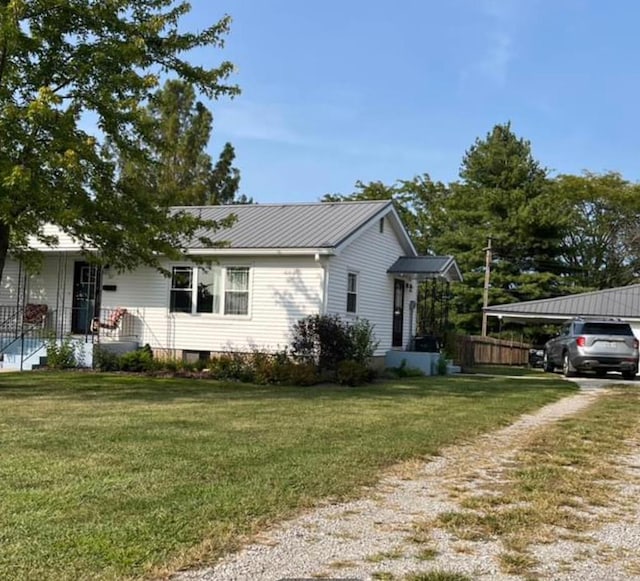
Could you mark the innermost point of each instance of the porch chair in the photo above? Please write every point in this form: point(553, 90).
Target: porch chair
point(35, 314)
point(112, 322)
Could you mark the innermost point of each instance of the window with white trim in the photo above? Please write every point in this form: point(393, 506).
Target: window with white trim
point(181, 289)
point(236, 291)
point(352, 292)
point(197, 290)
point(208, 290)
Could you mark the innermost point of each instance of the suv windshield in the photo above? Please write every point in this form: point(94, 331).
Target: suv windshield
point(606, 329)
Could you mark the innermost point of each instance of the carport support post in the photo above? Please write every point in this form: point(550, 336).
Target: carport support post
point(487, 277)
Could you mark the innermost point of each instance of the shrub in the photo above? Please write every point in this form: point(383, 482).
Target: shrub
point(232, 366)
point(363, 342)
point(105, 360)
point(327, 340)
point(302, 374)
point(353, 373)
point(61, 355)
point(441, 366)
point(269, 367)
point(137, 361)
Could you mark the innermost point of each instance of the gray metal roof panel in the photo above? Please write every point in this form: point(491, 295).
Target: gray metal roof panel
point(314, 225)
point(614, 302)
point(420, 264)
point(427, 266)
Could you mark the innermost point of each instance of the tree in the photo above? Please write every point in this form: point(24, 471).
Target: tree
point(182, 172)
point(504, 195)
point(66, 65)
point(600, 247)
point(418, 201)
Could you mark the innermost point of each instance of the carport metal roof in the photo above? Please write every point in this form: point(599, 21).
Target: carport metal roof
point(620, 302)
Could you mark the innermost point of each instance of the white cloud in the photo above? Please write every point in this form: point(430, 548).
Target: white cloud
point(495, 63)
point(499, 22)
point(245, 120)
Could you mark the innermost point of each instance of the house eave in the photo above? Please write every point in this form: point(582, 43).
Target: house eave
point(259, 251)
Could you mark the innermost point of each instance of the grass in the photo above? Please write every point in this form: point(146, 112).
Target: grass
point(513, 371)
point(561, 476)
point(115, 477)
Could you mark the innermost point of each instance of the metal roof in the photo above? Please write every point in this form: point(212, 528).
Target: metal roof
point(620, 302)
point(427, 267)
point(270, 226)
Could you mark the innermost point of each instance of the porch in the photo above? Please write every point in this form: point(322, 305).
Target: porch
point(26, 331)
point(429, 314)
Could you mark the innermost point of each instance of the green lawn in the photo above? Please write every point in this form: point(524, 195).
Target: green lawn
point(109, 476)
point(513, 371)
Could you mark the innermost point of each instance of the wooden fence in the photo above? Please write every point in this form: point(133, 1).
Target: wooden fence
point(471, 350)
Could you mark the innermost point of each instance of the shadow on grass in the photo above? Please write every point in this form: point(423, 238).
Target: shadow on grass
point(81, 386)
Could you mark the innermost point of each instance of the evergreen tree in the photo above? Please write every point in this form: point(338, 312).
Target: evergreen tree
point(504, 195)
point(181, 171)
point(224, 180)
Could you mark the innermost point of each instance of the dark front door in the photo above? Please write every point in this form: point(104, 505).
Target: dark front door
point(86, 297)
point(398, 306)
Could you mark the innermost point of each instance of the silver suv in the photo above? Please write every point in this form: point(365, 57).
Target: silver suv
point(598, 345)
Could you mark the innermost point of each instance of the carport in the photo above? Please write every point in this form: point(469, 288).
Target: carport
point(621, 303)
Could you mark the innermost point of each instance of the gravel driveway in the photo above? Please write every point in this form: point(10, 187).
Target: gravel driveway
point(375, 535)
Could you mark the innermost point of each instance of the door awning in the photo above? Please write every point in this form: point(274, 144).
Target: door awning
point(427, 267)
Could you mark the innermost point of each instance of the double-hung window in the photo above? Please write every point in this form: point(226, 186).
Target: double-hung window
point(181, 289)
point(215, 290)
point(236, 291)
point(352, 292)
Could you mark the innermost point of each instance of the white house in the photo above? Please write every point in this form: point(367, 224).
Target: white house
point(281, 262)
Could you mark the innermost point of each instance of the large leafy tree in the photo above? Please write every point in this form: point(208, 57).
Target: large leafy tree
point(600, 247)
point(418, 201)
point(74, 75)
point(504, 194)
point(182, 172)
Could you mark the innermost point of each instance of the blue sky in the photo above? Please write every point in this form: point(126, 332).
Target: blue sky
point(339, 91)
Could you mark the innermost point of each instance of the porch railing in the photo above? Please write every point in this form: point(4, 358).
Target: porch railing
point(38, 322)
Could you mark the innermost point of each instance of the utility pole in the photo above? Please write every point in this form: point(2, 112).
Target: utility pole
point(487, 278)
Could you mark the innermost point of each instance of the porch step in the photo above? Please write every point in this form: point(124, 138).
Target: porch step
point(42, 362)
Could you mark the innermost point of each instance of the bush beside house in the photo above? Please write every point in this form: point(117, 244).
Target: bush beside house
point(323, 348)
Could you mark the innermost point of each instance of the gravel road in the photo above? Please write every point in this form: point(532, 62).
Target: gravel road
point(366, 538)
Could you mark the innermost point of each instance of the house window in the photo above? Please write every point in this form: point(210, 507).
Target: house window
point(200, 290)
point(236, 292)
point(381, 225)
point(181, 290)
point(352, 292)
point(208, 297)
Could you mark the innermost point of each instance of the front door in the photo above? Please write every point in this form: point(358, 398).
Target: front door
point(86, 297)
point(398, 306)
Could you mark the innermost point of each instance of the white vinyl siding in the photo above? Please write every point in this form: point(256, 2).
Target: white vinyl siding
point(280, 291)
point(372, 253)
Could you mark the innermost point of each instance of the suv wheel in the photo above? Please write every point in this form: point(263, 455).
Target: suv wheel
point(629, 375)
point(568, 370)
point(546, 364)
